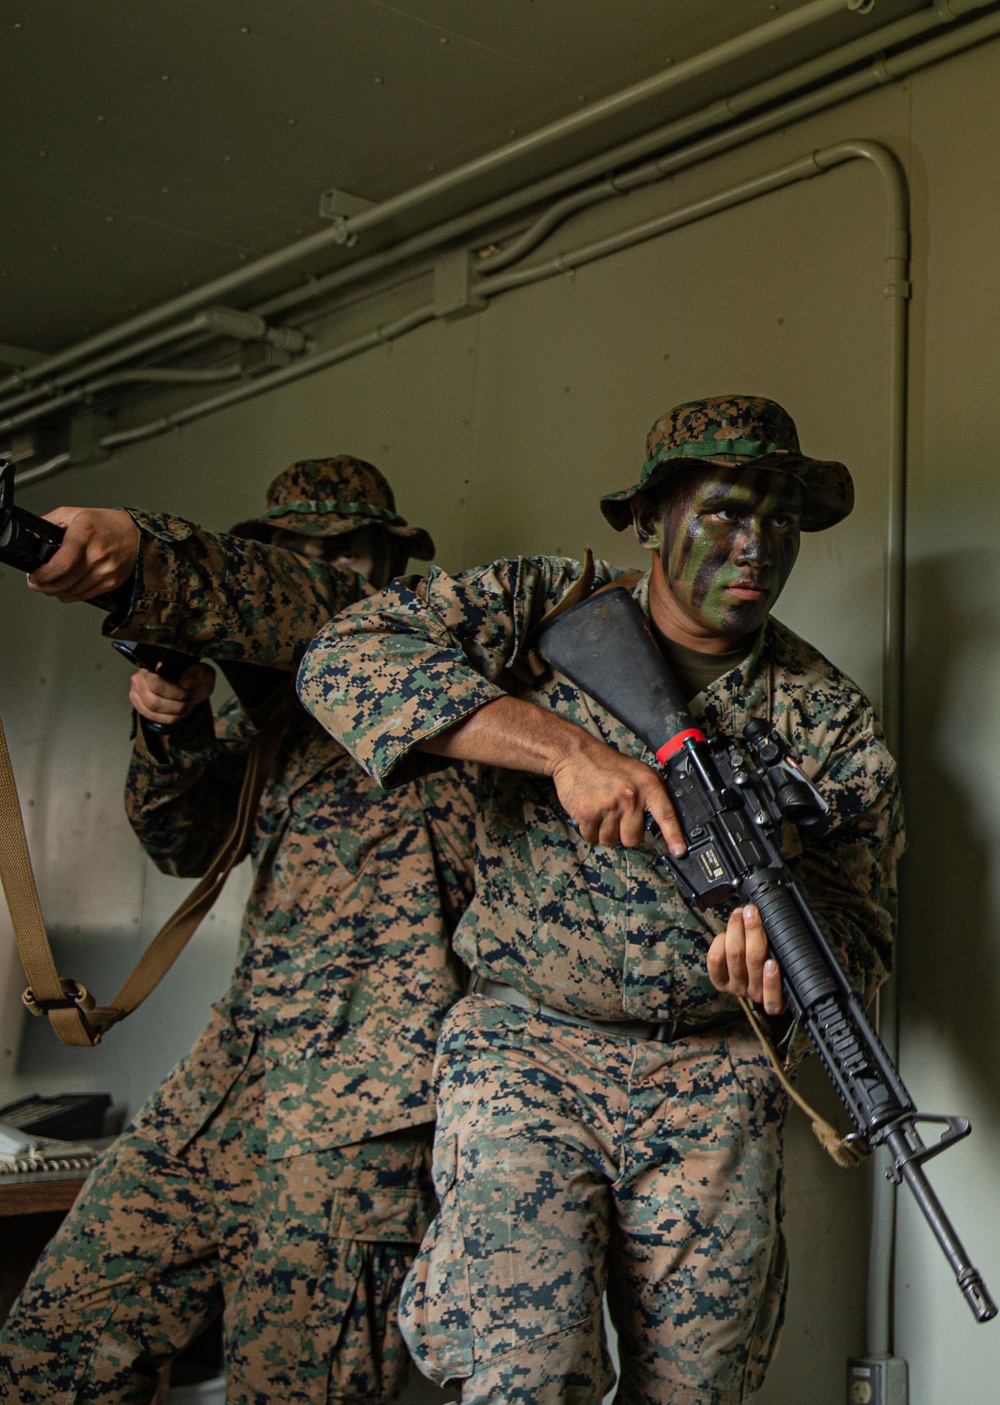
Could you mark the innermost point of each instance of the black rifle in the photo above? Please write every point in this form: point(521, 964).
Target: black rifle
point(28, 541)
point(731, 803)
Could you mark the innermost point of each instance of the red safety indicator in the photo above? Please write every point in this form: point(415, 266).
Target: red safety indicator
point(676, 742)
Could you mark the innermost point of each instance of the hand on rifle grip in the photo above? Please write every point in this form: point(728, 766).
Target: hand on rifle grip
point(98, 554)
point(165, 703)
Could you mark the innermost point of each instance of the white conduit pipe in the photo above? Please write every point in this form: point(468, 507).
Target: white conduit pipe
point(781, 27)
point(270, 382)
point(43, 470)
point(51, 386)
point(149, 375)
point(218, 321)
point(716, 115)
point(880, 73)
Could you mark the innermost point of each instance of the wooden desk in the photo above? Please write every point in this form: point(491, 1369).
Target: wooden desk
point(38, 1192)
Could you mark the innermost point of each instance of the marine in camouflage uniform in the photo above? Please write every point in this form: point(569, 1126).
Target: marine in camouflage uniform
point(283, 1168)
point(606, 1119)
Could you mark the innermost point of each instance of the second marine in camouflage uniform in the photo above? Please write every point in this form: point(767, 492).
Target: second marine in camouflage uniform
point(606, 1120)
point(283, 1167)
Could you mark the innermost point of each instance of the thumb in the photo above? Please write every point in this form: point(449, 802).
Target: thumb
point(62, 516)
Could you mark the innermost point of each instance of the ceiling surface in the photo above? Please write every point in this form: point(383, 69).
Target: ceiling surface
point(147, 148)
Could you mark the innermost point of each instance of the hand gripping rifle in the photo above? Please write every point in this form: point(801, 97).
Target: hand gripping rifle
point(731, 803)
point(28, 541)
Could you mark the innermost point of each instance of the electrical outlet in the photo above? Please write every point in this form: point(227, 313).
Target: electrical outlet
point(877, 1380)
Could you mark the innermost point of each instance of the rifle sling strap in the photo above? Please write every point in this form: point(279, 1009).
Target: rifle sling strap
point(846, 1153)
point(71, 1009)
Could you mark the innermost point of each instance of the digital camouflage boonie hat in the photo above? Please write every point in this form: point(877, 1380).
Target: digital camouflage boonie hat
point(737, 429)
point(331, 497)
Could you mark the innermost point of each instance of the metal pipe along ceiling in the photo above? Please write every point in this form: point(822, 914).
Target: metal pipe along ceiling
point(881, 72)
point(449, 184)
point(896, 68)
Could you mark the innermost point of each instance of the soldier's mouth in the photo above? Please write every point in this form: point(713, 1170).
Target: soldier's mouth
point(747, 590)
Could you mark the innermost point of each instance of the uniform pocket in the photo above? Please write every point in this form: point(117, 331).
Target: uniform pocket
point(315, 1315)
point(435, 1311)
point(770, 1312)
point(382, 1216)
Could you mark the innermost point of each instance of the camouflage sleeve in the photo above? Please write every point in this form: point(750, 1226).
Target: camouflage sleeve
point(182, 809)
point(394, 671)
point(207, 593)
point(850, 873)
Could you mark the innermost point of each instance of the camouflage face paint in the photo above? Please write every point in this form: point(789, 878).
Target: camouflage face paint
point(727, 542)
point(365, 551)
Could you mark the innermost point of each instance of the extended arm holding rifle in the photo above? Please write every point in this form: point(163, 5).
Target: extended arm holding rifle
point(28, 541)
point(731, 802)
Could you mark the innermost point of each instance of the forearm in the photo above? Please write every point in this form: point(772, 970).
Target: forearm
point(514, 734)
point(606, 793)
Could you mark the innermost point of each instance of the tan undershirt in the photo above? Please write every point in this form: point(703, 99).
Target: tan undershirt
point(692, 669)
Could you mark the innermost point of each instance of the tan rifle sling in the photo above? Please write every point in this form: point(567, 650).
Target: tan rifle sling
point(71, 1009)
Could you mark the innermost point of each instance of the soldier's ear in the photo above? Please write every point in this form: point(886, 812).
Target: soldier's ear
point(647, 520)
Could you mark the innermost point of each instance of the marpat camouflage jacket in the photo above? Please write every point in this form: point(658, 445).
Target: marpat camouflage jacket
point(597, 931)
point(344, 968)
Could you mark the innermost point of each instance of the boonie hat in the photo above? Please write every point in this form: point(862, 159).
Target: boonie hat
point(331, 497)
point(737, 429)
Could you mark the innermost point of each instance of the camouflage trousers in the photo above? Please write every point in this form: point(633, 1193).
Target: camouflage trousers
point(304, 1257)
point(568, 1163)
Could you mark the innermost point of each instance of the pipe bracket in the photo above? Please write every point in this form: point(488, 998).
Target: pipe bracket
point(455, 293)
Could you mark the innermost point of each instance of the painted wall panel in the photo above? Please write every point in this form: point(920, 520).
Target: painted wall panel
point(950, 963)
